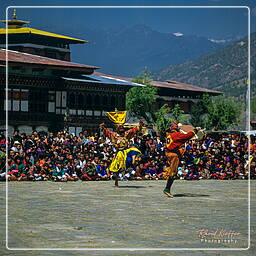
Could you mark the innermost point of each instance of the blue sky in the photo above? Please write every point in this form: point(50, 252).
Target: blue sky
point(215, 23)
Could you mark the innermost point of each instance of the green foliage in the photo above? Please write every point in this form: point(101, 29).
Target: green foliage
point(215, 113)
point(200, 111)
point(253, 105)
point(177, 113)
point(140, 102)
point(253, 108)
point(162, 119)
point(253, 75)
point(223, 113)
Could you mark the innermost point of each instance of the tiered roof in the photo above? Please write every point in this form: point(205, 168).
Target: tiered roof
point(15, 26)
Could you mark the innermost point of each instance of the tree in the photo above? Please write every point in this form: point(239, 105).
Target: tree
point(253, 106)
point(162, 119)
point(223, 113)
point(141, 103)
point(217, 114)
point(177, 113)
point(200, 112)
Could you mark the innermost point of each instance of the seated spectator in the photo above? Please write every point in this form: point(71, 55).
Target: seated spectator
point(150, 172)
point(140, 172)
point(101, 170)
point(89, 172)
point(70, 171)
point(229, 171)
point(58, 173)
point(17, 170)
point(192, 174)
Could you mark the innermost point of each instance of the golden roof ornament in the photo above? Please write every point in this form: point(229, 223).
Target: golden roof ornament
point(14, 16)
point(14, 22)
point(15, 26)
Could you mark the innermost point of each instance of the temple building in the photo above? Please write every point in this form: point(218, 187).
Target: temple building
point(34, 41)
point(48, 92)
point(173, 92)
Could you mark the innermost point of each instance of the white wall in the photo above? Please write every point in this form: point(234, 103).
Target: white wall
point(25, 129)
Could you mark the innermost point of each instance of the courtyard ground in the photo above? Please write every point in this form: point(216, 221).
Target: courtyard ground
point(137, 215)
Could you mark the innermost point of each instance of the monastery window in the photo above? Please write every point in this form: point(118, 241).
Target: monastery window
point(121, 102)
point(80, 102)
point(97, 100)
point(17, 100)
point(2, 98)
point(97, 113)
point(190, 105)
point(63, 99)
point(51, 54)
point(113, 101)
point(58, 98)
point(80, 112)
point(89, 100)
point(88, 112)
point(62, 56)
point(105, 101)
point(38, 100)
point(51, 101)
point(9, 102)
point(61, 102)
point(75, 130)
point(72, 100)
point(72, 112)
point(24, 100)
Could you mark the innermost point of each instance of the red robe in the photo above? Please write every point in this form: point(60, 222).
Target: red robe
point(175, 140)
point(175, 149)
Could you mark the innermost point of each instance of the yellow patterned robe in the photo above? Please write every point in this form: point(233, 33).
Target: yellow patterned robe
point(121, 144)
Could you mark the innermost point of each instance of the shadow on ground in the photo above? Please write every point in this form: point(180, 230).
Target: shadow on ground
point(189, 195)
point(127, 186)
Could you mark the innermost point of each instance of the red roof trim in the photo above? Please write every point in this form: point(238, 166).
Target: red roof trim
point(20, 57)
point(170, 85)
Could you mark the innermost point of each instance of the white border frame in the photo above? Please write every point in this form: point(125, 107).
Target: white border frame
point(124, 248)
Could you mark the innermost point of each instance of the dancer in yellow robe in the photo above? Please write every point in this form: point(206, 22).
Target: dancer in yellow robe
point(125, 156)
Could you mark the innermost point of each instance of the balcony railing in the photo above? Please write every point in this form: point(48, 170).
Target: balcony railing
point(31, 117)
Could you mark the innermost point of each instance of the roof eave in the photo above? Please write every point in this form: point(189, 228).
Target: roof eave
point(82, 70)
point(35, 33)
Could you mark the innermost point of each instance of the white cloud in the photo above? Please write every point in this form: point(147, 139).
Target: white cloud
point(178, 34)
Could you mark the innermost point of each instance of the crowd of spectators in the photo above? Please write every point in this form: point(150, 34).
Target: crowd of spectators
point(66, 157)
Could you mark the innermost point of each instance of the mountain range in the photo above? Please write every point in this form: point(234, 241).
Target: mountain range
point(128, 50)
point(206, 62)
point(225, 70)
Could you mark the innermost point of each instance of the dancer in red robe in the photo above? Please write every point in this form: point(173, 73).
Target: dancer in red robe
point(175, 148)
